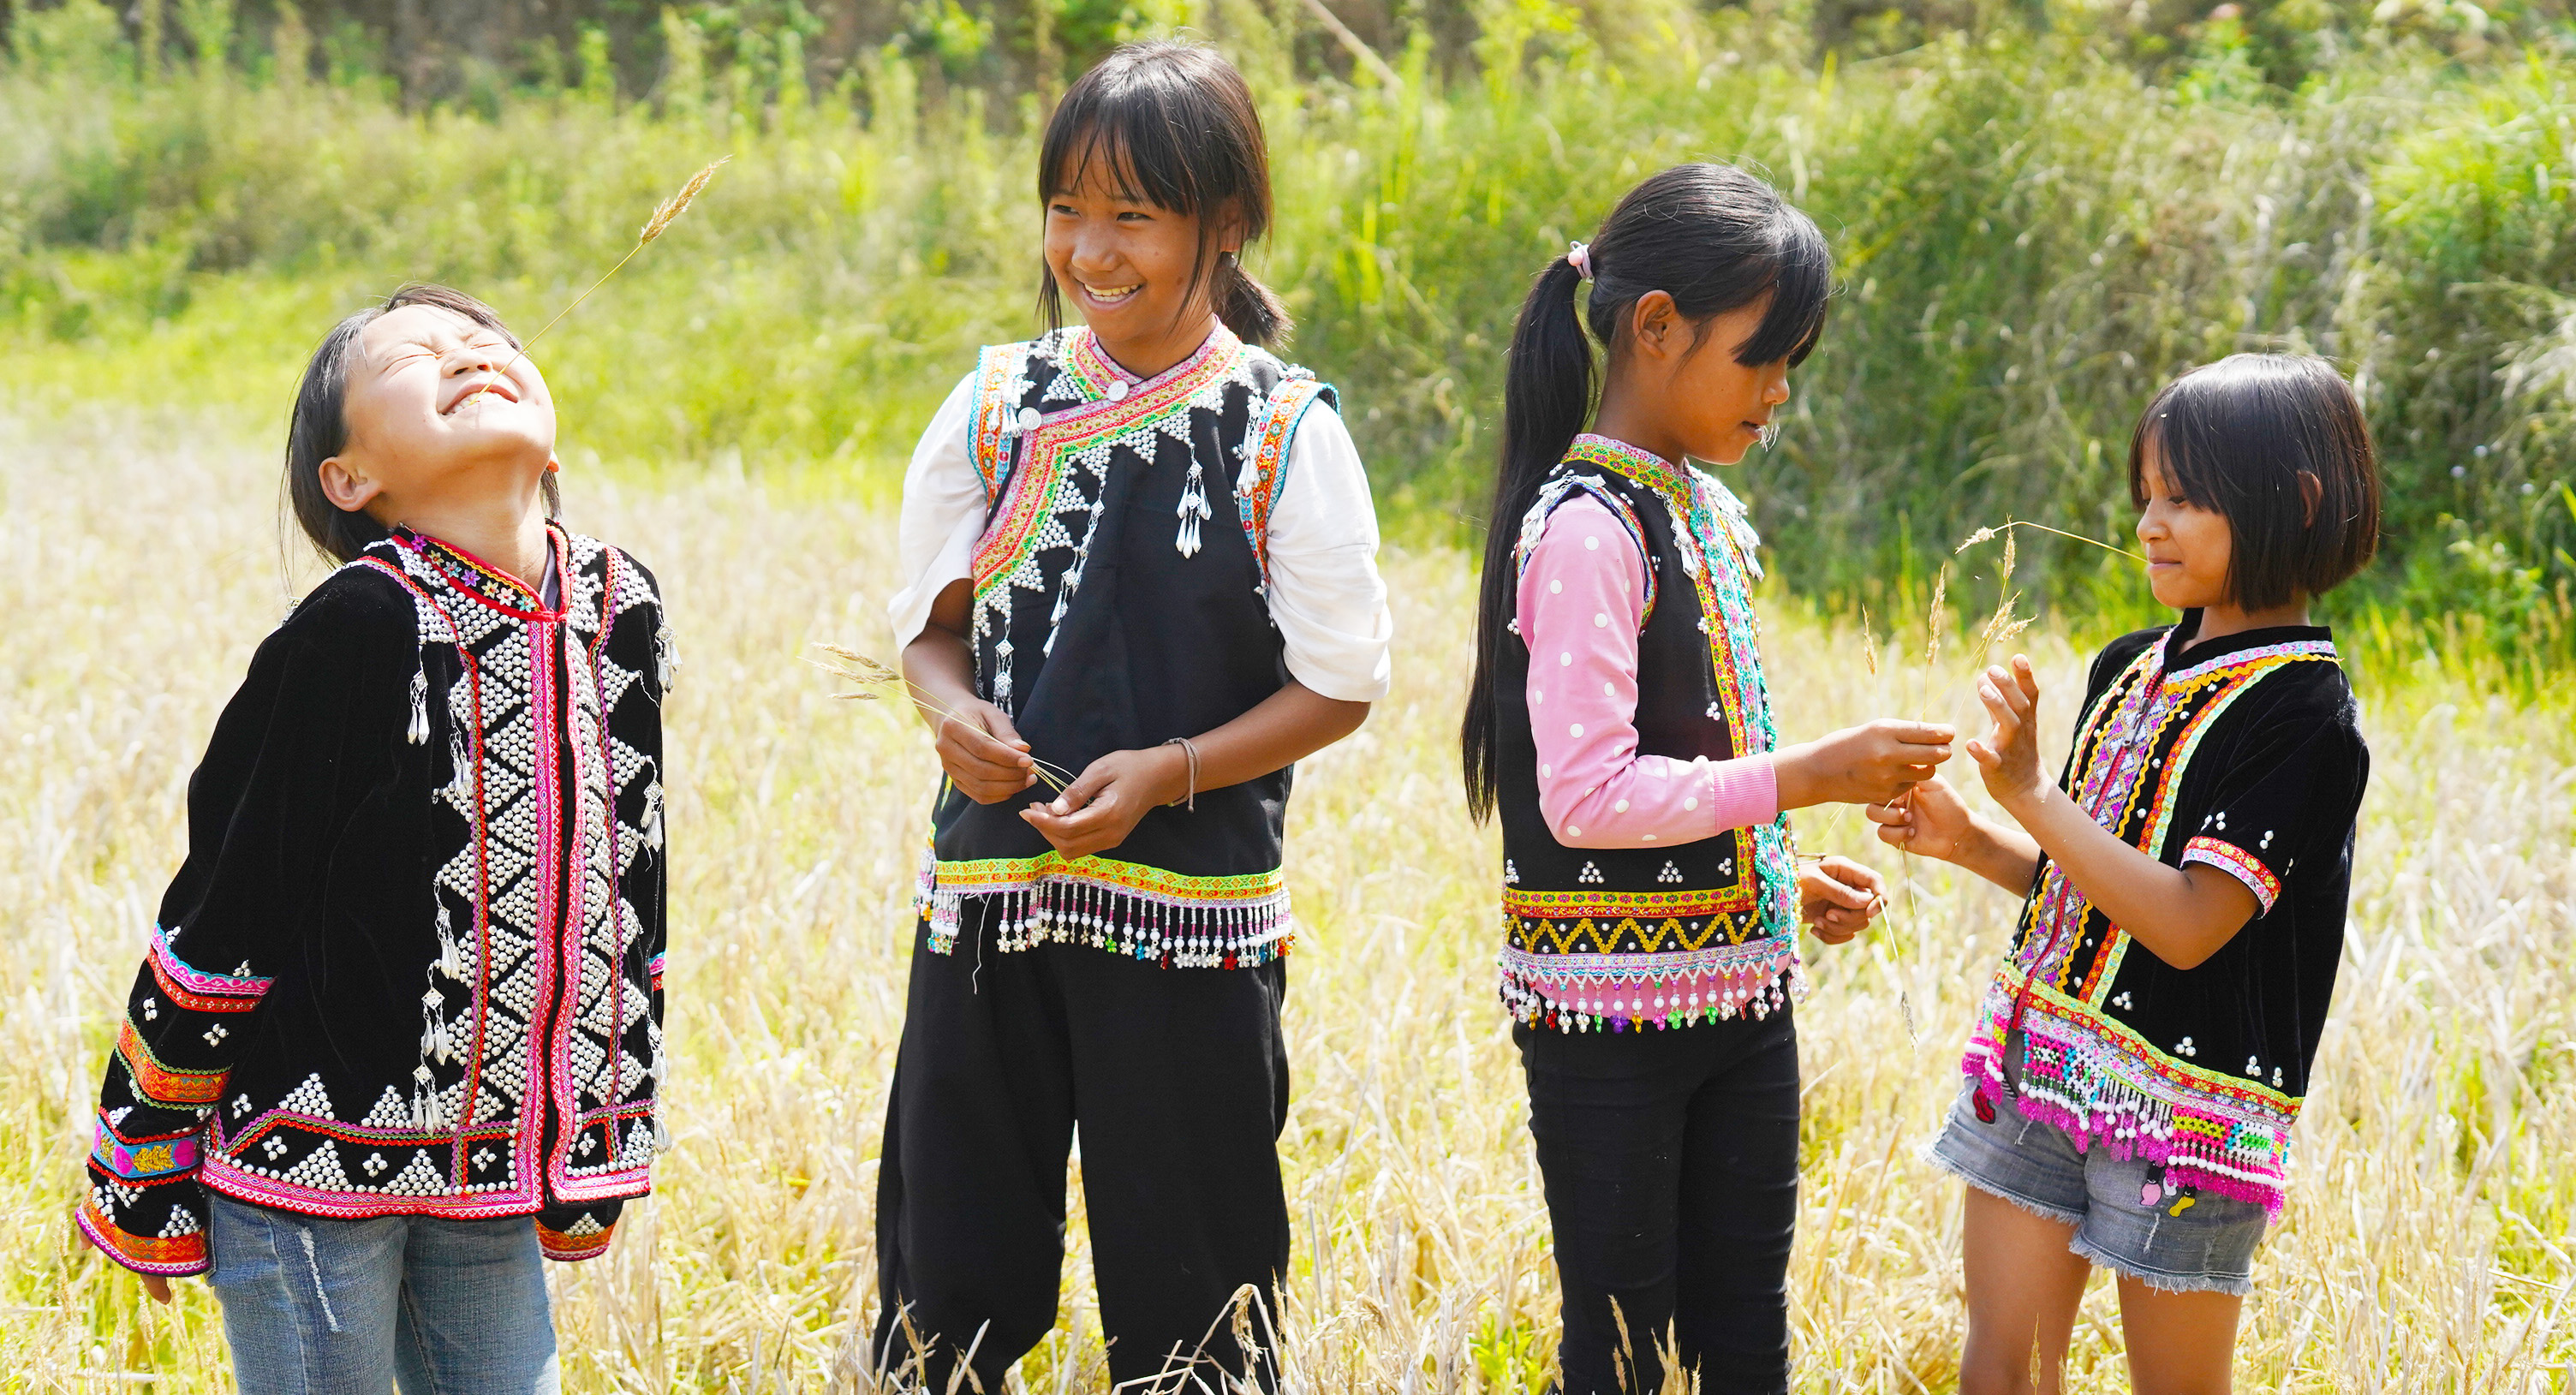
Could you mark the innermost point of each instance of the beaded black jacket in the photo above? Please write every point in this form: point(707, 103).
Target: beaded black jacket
point(412, 962)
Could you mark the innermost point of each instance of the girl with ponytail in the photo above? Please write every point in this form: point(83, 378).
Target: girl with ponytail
point(1139, 563)
point(1618, 723)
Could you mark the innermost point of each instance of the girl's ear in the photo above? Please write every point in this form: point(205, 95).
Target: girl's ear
point(2311, 489)
point(1229, 229)
point(1654, 323)
point(349, 490)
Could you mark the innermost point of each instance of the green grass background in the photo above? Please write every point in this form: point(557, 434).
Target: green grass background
point(2040, 214)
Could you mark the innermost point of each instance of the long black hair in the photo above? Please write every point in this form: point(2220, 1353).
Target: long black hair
point(318, 428)
point(1175, 125)
point(1712, 237)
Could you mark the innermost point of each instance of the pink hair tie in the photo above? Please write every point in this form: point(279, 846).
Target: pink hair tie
point(1581, 258)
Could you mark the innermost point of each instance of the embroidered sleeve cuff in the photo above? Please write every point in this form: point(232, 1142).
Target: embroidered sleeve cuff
point(567, 1235)
point(181, 1250)
point(2238, 863)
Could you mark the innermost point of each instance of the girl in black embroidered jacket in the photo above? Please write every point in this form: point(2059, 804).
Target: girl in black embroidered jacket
point(411, 966)
point(2140, 1056)
point(1140, 550)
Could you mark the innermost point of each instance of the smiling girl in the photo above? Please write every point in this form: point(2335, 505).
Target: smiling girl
point(1619, 723)
point(2136, 1067)
point(1142, 552)
point(405, 992)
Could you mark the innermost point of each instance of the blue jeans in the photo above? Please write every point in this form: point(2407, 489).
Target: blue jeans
point(314, 1306)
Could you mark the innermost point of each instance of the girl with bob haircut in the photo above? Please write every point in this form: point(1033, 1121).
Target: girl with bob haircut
point(1619, 723)
point(405, 993)
point(1139, 564)
point(2137, 1064)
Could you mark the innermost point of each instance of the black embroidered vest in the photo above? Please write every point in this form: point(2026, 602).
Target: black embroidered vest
point(1119, 602)
point(1608, 939)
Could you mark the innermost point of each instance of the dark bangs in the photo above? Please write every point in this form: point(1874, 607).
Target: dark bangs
point(2236, 438)
point(1171, 125)
point(1802, 284)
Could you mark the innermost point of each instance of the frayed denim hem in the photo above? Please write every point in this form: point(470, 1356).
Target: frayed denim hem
point(2162, 1282)
point(1932, 1154)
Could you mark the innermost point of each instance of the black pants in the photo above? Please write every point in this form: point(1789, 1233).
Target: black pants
point(1671, 1165)
point(1179, 1080)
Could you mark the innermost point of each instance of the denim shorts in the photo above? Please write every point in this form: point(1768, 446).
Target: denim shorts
point(2128, 1218)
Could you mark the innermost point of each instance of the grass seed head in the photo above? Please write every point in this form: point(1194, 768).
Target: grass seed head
point(678, 203)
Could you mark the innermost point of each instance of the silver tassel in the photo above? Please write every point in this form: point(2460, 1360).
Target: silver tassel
point(666, 659)
point(1193, 508)
point(418, 732)
point(451, 958)
point(653, 820)
point(425, 1113)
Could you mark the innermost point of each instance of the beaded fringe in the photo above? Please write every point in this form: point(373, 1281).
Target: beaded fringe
point(2201, 1147)
point(1176, 935)
point(1635, 1007)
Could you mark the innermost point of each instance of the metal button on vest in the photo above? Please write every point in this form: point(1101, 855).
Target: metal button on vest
point(1028, 418)
point(1118, 390)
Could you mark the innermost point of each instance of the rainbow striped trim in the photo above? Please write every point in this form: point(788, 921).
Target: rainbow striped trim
point(571, 1246)
point(1617, 905)
point(988, 876)
point(2238, 863)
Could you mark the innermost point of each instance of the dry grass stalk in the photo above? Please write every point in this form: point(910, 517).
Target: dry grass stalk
point(875, 679)
point(2005, 530)
point(663, 216)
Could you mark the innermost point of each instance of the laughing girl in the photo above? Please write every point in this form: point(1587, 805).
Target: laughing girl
point(399, 1029)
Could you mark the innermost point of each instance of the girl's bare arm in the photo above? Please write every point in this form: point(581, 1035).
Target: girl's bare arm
point(2182, 915)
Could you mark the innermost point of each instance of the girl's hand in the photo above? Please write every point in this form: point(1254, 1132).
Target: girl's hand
point(2009, 755)
point(1867, 764)
point(158, 1285)
point(1930, 820)
point(1837, 898)
point(1102, 806)
point(983, 753)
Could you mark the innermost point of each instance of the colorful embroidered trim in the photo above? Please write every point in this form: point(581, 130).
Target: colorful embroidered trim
point(2104, 1084)
point(1623, 992)
point(1265, 469)
point(994, 422)
point(2238, 863)
point(145, 1254)
point(199, 991)
point(653, 970)
point(1012, 541)
point(164, 1084)
point(1554, 493)
point(1608, 905)
point(1178, 921)
point(1718, 547)
point(138, 1162)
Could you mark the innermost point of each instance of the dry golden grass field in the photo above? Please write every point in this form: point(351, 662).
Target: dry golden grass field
point(2427, 1246)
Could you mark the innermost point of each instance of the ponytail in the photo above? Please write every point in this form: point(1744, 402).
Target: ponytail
point(1248, 307)
point(1712, 237)
point(1547, 398)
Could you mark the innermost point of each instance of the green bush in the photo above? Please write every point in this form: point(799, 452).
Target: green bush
point(2036, 225)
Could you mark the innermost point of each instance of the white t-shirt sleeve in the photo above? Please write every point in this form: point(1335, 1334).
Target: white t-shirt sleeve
point(1325, 593)
point(943, 515)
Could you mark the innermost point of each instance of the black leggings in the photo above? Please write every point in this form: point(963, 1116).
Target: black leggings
point(1671, 1164)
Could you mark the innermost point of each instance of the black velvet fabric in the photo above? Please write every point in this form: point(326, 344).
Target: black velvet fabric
point(358, 812)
